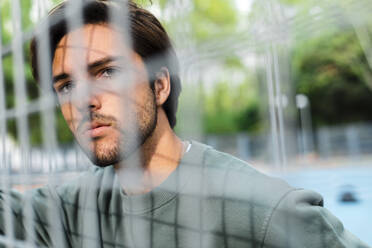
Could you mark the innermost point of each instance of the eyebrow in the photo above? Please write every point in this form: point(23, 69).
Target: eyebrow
point(90, 67)
point(60, 77)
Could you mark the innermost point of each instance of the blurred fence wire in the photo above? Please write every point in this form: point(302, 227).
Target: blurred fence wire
point(264, 42)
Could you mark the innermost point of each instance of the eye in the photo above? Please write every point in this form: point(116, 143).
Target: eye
point(65, 88)
point(108, 73)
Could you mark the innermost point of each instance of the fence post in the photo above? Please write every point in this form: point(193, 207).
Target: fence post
point(324, 143)
point(243, 146)
point(352, 140)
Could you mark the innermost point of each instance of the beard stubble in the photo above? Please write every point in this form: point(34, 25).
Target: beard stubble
point(136, 130)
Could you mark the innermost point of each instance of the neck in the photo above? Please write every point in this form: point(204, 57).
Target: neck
point(153, 162)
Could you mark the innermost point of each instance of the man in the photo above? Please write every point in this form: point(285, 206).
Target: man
point(117, 85)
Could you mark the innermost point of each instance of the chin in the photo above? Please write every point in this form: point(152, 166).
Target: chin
point(103, 162)
point(109, 153)
point(105, 159)
point(103, 152)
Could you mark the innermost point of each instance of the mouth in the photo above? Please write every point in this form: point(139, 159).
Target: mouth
point(96, 129)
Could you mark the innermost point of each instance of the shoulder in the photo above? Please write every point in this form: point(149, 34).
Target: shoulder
point(281, 216)
point(246, 197)
point(301, 214)
point(241, 180)
point(71, 189)
point(89, 181)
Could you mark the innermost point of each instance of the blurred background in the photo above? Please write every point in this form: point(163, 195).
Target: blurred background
point(283, 84)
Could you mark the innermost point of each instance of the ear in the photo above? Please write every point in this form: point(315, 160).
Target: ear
point(162, 86)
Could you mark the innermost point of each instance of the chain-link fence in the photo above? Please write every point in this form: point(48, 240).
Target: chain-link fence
point(78, 92)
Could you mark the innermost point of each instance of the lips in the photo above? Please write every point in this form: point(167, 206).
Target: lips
point(95, 125)
point(95, 129)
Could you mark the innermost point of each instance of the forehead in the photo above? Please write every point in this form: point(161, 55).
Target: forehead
point(85, 45)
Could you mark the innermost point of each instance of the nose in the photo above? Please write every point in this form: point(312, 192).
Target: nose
point(87, 99)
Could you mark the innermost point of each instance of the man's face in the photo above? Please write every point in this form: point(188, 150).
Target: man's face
point(104, 93)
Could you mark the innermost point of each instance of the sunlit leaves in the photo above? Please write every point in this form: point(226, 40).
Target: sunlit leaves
point(333, 72)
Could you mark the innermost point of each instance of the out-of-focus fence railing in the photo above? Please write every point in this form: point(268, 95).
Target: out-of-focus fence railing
point(65, 159)
point(351, 141)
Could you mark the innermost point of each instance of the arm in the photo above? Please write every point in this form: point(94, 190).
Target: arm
point(14, 221)
point(11, 215)
point(300, 220)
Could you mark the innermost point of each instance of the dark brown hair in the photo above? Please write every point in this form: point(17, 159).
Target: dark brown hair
point(148, 37)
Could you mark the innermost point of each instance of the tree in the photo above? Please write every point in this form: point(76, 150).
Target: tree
point(333, 72)
point(32, 89)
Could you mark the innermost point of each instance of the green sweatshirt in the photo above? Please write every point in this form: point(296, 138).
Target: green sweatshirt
point(211, 200)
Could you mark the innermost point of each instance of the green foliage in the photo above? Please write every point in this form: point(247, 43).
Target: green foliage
point(34, 120)
point(212, 18)
point(333, 72)
point(231, 108)
point(208, 19)
point(228, 107)
point(64, 134)
point(330, 69)
point(6, 25)
point(297, 2)
point(8, 77)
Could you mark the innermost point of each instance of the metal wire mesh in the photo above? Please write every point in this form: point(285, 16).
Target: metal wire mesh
point(265, 45)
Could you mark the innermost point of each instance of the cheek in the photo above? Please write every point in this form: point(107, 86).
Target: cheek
point(70, 115)
point(113, 105)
